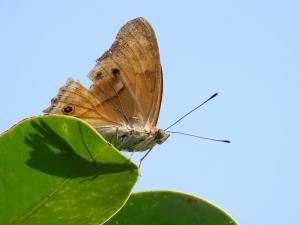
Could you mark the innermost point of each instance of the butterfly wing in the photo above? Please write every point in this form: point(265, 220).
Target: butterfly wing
point(134, 60)
point(74, 99)
point(127, 83)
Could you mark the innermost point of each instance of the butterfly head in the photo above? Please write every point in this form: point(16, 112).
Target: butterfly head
point(161, 136)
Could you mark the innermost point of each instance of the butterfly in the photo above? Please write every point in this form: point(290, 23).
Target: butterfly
point(124, 100)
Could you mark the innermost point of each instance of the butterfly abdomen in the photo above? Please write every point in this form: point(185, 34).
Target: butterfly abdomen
point(128, 139)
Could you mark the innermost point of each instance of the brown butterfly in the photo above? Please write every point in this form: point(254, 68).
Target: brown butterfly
point(124, 100)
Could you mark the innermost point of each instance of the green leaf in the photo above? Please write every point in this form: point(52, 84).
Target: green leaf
point(169, 207)
point(59, 170)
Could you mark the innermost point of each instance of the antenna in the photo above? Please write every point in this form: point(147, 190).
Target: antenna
point(192, 135)
point(211, 97)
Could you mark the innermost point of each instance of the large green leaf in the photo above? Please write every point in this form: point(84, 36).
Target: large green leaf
point(59, 170)
point(168, 207)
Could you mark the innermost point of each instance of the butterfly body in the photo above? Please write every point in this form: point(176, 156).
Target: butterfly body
point(133, 139)
point(124, 100)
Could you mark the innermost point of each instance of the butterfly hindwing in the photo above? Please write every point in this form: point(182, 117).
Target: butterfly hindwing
point(74, 99)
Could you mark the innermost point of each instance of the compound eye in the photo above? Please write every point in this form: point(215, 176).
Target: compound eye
point(159, 134)
point(68, 109)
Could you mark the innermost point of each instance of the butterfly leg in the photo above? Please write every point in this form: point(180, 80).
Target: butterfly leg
point(141, 160)
point(114, 139)
point(129, 158)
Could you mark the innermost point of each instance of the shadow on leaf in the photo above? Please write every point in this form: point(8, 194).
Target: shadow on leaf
point(51, 154)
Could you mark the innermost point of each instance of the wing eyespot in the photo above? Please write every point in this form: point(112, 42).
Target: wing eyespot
point(115, 72)
point(53, 101)
point(99, 75)
point(68, 109)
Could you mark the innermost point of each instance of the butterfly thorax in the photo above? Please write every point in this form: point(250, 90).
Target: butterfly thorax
point(133, 138)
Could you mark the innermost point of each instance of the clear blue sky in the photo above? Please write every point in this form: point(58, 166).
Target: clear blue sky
point(248, 51)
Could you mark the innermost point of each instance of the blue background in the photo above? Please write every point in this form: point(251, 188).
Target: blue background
point(248, 51)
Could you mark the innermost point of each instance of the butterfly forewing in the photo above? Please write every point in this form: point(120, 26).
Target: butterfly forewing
point(134, 59)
